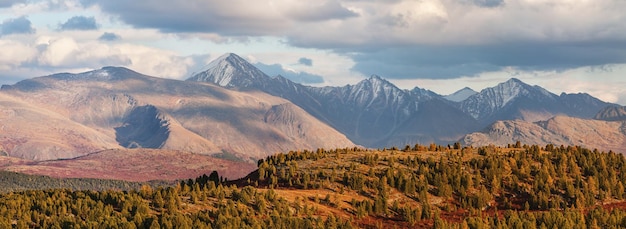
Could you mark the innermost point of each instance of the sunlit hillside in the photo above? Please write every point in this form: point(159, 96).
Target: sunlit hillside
point(519, 186)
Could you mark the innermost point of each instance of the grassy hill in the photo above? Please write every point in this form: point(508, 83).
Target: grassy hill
point(418, 186)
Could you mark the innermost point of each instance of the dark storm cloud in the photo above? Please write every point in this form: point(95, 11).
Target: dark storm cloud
point(437, 62)
point(20, 25)
point(9, 3)
point(488, 3)
point(79, 23)
point(109, 37)
point(305, 61)
point(298, 77)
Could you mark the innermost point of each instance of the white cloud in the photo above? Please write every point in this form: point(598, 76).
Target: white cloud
point(56, 54)
point(14, 54)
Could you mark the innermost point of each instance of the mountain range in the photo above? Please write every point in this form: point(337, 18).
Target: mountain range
point(376, 113)
point(234, 111)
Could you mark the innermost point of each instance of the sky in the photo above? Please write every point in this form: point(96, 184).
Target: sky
point(443, 45)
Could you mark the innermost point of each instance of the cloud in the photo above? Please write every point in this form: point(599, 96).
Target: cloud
point(429, 39)
point(450, 39)
point(9, 3)
point(14, 54)
point(107, 36)
point(316, 10)
point(47, 55)
point(20, 25)
point(298, 77)
point(305, 61)
point(434, 62)
point(79, 23)
point(225, 17)
point(233, 17)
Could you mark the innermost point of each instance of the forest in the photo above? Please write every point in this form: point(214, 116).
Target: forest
point(420, 186)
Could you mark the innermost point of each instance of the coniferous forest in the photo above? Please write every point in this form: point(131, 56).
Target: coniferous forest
point(431, 186)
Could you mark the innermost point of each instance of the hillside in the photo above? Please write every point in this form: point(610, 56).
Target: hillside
point(113, 108)
point(131, 165)
point(420, 186)
point(31, 132)
point(559, 130)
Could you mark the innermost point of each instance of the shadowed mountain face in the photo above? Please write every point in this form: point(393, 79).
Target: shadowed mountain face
point(612, 113)
point(143, 127)
point(124, 109)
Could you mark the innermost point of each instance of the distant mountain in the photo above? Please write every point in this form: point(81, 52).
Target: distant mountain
point(582, 105)
point(461, 95)
point(514, 99)
point(376, 113)
point(559, 130)
point(612, 113)
point(373, 112)
point(119, 108)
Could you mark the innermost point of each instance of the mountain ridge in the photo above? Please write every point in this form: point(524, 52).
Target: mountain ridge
point(376, 113)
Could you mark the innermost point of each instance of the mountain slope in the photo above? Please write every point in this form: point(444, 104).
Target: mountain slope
point(30, 132)
point(373, 112)
point(559, 130)
point(149, 112)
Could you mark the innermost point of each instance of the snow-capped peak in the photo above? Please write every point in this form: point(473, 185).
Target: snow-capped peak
point(230, 70)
